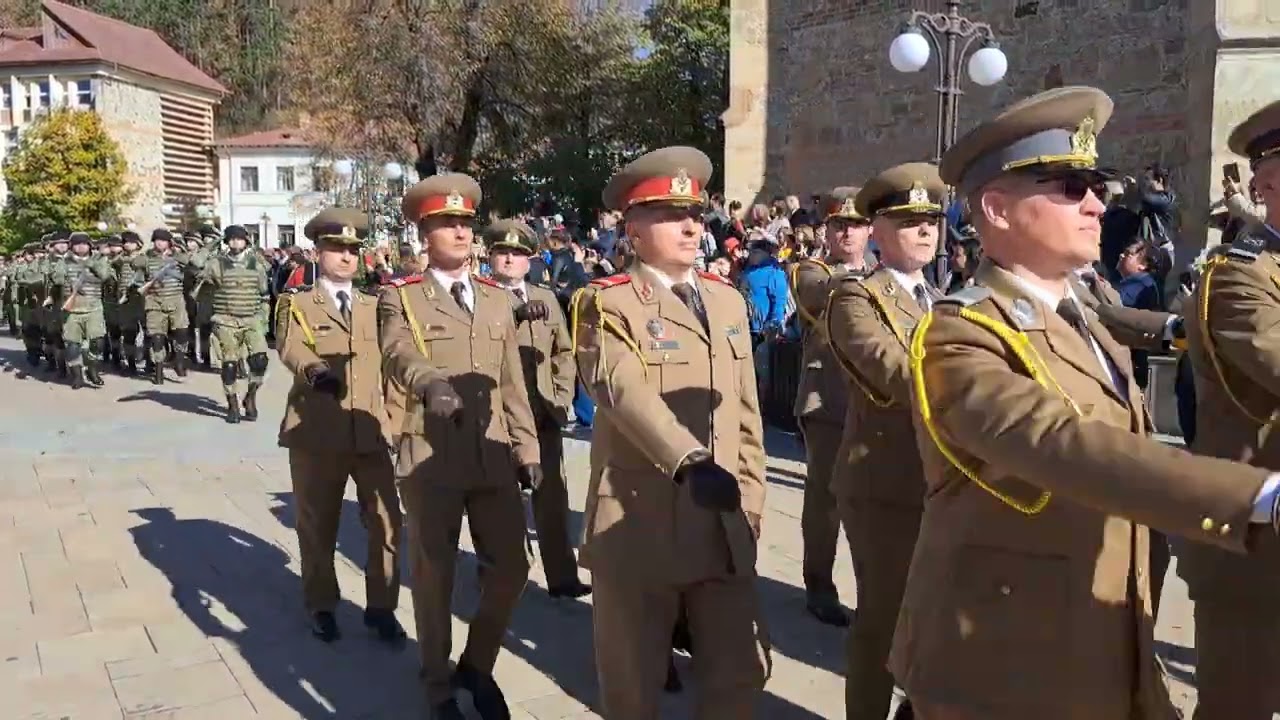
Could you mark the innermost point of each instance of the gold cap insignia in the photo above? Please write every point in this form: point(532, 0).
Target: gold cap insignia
point(1084, 143)
point(348, 231)
point(848, 207)
point(918, 195)
point(512, 238)
point(681, 184)
point(454, 202)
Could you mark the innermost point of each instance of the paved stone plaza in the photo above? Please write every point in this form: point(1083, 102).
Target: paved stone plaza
point(149, 569)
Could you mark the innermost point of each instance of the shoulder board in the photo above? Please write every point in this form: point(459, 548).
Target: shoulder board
point(611, 281)
point(817, 262)
point(1246, 247)
point(487, 281)
point(850, 276)
point(402, 281)
point(966, 297)
point(712, 276)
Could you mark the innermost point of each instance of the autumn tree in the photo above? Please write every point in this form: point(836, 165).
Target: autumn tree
point(67, 173)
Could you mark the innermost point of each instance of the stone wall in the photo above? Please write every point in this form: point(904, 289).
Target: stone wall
point(132, 116)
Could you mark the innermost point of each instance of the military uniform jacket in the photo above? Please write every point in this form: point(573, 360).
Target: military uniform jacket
point(427, 335)
point(821, 395)
point(546, 354)
point(86, 278)
point(870, 321)
point(664, 387)
point(1131, 327)
point(166, 270)
point(1028, 594)
point(1235, 354)
point(311, 331)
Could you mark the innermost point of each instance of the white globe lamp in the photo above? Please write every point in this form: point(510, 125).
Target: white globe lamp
point(343, 168)
point(909, 52)
point(988, 66)
point(102, 226)
point(392, 171)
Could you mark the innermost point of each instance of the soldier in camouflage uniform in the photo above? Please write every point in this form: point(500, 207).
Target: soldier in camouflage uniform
point(7, 265)
point(130, 313)
point(108, 248)
point(161, 269)
point(82, 276)
point(202, 323)
point(53, 342)
point(190, 283)
point(239, 279)
point(31, 295)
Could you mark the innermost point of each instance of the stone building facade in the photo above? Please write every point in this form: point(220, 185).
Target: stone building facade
point(814, 102)
point(131, 115)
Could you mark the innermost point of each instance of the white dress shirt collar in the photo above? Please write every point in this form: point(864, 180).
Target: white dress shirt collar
point(446, 282)
point(333, 287)
point(666, 280)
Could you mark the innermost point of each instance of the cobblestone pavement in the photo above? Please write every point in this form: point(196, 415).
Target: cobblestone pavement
point(148, 569)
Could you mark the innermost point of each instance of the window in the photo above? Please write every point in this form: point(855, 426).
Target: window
point(84, 93)
point(249, 179)
point(42, 94)
point(288, 237)
point(284, 179)
point(253, 232)
point(11, 141)
point(6, 97)
point(320, 177)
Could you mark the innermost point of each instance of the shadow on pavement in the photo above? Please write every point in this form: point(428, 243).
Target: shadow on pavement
point(14, 360)
point(180, 401)
point(234, 585)
point(805, 640)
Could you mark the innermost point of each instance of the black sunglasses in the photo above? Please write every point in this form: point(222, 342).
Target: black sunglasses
point(1075, 185)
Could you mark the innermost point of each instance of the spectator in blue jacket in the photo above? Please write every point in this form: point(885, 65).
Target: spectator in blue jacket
point(764, 283)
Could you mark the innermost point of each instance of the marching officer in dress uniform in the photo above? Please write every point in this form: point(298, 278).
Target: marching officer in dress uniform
point(1037, 460)
point(1235, 355)
point(878, 481)
point(239, 279)
point(334, 427)
point(822, 397)
point(546, 352)
point(161, 269)
point(677, 459)
point(468, 442)
point(82, 276)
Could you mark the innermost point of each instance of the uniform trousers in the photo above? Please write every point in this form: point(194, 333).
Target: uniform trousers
point(497, 522)
point(319, 481)
point(633, 625)
point(166, 316)
point(1237, 645)
point(882, 539)
point(551, 513)
point(819, 517)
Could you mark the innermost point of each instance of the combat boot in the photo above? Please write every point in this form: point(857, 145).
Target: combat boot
point(233, 409)
point(33, 357)
point(63, 370)
point(180, 365)
point(77, 377)
point(133, 365)
point(251, 403)
point(157, 373)
point(91, 374)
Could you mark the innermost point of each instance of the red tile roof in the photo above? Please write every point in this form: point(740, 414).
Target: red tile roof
point(280, 137)
point(102, 39)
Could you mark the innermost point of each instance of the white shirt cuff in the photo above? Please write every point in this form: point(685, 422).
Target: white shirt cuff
point(1266, 500)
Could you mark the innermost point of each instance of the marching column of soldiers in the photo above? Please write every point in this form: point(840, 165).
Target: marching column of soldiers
point(988, 452)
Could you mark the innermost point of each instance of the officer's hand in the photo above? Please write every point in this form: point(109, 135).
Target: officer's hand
point(323, 379)
point(753, 522)
point(530, 477)
point(712, 487)
point(532, 311)
point(441, 400)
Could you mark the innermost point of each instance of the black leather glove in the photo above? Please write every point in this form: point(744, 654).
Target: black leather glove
point(1178, 330)
point(442, 401)
point(712, 487)
point(530, 477)
point(323, 379)
point(532, 310)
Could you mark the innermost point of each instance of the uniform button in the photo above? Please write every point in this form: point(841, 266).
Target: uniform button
point(666, 356)
point(1006, 590)
point(1139, 573)
point(473, 336)
point(1225, 529)
point(476, 365)
point(1207, 524)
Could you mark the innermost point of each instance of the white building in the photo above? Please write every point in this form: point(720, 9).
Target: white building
point(273, 182)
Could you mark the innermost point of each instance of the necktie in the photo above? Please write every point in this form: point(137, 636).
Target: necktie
point(458, 291)
point(1069, 311)
point(519, 294)
point(923, 298)
point(690, 298)
point(344, 306)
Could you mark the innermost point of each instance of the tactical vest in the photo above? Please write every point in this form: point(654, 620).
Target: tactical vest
point(171, 286)
point(79, 275)
point(238, 295)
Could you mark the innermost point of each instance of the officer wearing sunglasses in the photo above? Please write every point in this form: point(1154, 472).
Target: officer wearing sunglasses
point(1029, 590)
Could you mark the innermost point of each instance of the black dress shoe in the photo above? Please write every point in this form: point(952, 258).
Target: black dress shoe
point(325, 626)
point(485, 693)
point(904, 711)
point(447, 710)
point(386, 627)
point(828, 612)
point(575, 589)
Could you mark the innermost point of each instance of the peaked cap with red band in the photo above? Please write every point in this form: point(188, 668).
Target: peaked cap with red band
point(672, 175)
point(451, 194)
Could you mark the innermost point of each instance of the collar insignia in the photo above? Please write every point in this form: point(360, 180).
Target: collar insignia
point(1023, 312)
